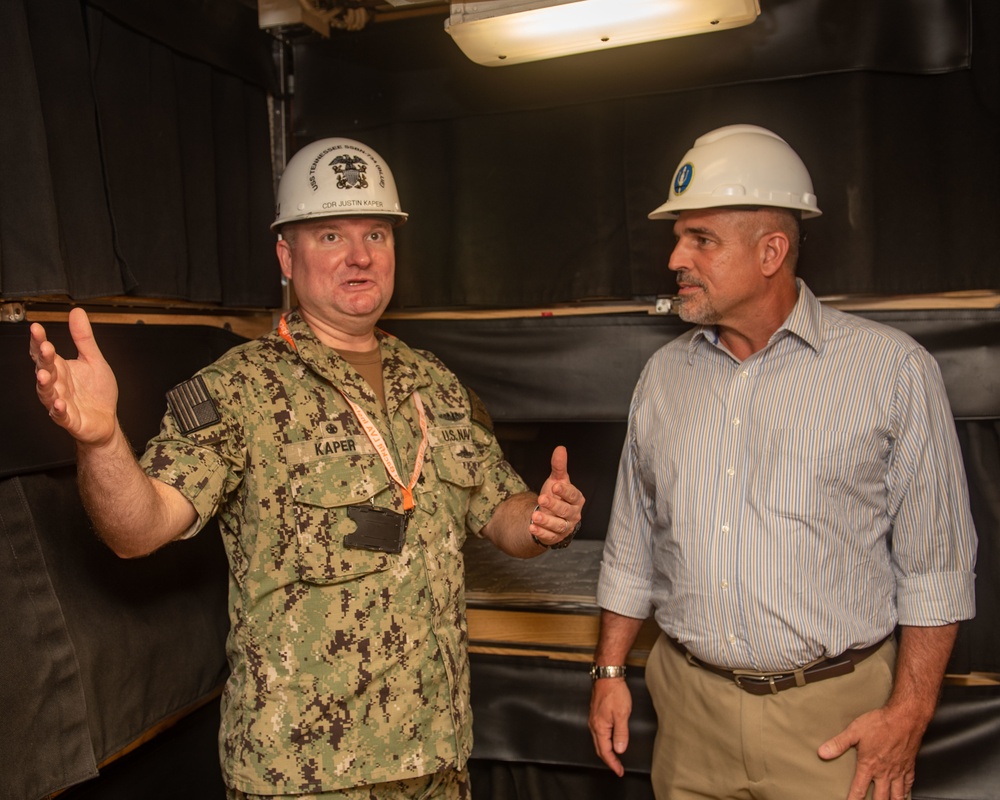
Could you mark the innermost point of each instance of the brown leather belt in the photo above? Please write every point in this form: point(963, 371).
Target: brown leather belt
point(773, 682)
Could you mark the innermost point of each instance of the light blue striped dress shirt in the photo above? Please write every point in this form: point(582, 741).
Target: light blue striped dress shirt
point(793, 505)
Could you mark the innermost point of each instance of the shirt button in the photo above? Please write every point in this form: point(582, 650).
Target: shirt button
point(730, 472)
point(724, 584)
point(725, 529)
point(736, 421)
point(732, 639)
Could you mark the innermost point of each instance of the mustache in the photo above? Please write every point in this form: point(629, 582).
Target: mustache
point(684, 279)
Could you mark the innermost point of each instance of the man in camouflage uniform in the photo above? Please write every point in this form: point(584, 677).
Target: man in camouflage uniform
point(345, 470)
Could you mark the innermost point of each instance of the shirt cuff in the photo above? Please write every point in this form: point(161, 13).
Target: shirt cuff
point(937, 598)
point(623, 593)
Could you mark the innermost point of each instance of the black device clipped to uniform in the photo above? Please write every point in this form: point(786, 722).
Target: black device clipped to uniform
point(379, 529)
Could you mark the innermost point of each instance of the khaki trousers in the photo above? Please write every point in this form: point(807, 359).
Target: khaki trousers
point(717, 742)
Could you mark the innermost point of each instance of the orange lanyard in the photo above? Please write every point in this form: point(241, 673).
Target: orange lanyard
point(383, 450)
point(286, 333)
point(375, 437)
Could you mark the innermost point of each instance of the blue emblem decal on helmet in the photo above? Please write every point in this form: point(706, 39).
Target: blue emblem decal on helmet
point(683, 178)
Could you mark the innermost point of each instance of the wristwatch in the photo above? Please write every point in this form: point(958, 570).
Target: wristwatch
point(606, 672)
point(562, 543)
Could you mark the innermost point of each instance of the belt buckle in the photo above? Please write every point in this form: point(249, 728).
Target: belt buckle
point(740, 675)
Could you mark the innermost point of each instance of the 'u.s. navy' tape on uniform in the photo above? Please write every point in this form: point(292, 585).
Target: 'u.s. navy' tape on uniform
point(192, 406)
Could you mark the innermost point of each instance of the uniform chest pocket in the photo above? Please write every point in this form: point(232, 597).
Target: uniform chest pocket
point(459, 463)
point(321, 496)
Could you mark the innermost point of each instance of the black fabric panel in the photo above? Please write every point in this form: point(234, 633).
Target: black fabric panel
point(55, 235)
point(44, 735)
point(532, 741)
point(545, 368)
point(142, 154)
point(978, 646)
point(460, 182)
point(546, 703)
point(26, 191)
point(197, 153)
point(530, 184)
point(412, 70)
point(130, 168)
point(584, 368)
point(960, 756)
point(223, 33)
point(181, 763)
point(125, 644)
point(149, 634)
point(157, 192)
point(505, 780)
point(147, 360)
point(247, 263)
point(96, 650)
point(86, 236)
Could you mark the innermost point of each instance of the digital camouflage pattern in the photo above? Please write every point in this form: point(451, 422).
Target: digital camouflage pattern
point(348, 666)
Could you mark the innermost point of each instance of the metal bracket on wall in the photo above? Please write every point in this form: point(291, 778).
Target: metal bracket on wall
point(12, 312)
point(665, 305)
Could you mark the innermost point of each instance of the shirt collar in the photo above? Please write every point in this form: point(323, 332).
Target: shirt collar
point(805, 321)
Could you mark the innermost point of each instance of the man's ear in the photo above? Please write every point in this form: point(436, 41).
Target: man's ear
point(773, 248)
point(284, 251)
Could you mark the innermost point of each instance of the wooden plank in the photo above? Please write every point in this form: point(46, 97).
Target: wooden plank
point(558, 635)
point(248, 326)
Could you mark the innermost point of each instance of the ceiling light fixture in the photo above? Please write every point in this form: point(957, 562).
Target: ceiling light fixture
point(501, 32)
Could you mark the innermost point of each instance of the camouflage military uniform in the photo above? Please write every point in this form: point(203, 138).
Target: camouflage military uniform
point(348, 666)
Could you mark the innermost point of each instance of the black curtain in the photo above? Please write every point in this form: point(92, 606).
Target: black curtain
point(135, 151)
point(530, 184)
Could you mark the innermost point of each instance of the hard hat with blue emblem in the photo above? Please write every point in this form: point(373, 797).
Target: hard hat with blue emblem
point(740, 166)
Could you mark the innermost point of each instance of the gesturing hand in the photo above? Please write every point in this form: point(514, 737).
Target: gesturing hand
point(81, 394)
point(560, 503)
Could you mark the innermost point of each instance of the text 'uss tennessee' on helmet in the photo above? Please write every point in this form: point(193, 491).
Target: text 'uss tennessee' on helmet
point(740, 165)
point(336, 177)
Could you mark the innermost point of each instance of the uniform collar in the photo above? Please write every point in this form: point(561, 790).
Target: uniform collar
point(402, 371)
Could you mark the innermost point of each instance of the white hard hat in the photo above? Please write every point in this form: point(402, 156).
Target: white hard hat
point(740, 165)
point(333, 178)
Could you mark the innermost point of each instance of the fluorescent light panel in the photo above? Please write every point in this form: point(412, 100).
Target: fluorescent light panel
point(500, 32)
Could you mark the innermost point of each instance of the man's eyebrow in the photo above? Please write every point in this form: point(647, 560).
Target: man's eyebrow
point(694, 230)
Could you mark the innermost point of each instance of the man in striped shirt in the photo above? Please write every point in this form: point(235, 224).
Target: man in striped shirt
point(790, 490)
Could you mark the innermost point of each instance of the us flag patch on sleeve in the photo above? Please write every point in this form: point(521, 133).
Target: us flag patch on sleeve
point(479, 413)
point(192, 406)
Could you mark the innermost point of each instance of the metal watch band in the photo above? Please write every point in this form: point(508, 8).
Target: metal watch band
point(606, 672)
point(566, 542)
point(560, 545)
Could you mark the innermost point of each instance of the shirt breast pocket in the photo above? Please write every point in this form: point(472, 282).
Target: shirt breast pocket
point(810, 474)
point(321, 497)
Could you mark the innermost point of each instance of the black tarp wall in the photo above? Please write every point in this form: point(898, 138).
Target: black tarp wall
point(135, 153)
point(530, 184)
